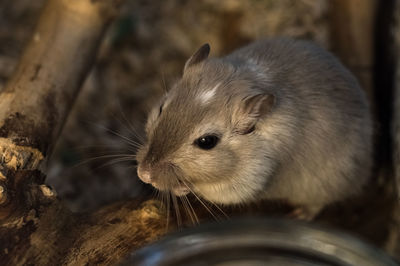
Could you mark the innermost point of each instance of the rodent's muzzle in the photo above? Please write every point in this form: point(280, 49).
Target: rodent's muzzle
point(163, 177)
point(144, 174)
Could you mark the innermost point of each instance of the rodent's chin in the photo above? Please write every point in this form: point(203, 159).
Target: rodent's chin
point(180, 191)
point(225, 192)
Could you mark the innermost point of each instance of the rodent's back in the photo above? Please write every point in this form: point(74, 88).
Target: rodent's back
point(328, 143)
point(304, 69)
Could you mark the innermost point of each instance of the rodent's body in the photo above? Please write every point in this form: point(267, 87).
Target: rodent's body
point(291, 123)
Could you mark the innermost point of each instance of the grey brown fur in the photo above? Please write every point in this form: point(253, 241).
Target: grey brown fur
point(293, 124)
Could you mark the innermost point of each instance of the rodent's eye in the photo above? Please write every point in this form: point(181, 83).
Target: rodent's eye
point(207, 142)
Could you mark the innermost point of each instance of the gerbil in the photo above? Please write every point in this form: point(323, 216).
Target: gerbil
point(277, 119)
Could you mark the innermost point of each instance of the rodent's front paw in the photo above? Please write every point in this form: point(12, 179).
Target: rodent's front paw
point(304, 213)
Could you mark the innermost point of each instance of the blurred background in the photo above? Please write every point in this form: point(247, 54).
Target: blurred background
point(144, 52)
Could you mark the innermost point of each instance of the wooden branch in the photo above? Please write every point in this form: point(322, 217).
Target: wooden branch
point(35, 227)
point(352, 37)
point(39, 95)
point(51, 235)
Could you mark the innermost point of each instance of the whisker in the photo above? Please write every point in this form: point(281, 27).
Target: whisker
point(161, 199)
point(112, 146)
point(131, 156)
point(202, 203)
point(177, 211)
point(164, 83)
point(206, 207)
point(196, 219)
point(130, 167)
point(186, 207)
point(126, 139)
point(219, 209)
point(194, 212)
point(155, 194)
point(164, 198)
point(213, 203)
point(130, 126)
point(118, 160)
point(184, 203)
point(168, 209)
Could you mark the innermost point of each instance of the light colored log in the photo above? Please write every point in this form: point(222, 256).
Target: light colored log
point(37, 99)
point(352, 37)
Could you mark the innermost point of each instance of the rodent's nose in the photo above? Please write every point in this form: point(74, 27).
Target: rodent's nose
point(144, 174)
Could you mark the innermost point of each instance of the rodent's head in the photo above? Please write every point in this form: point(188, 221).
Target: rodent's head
point(203, 136)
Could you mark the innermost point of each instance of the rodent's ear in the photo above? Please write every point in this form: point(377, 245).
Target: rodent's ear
point(251, 109)
point(198, 56)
